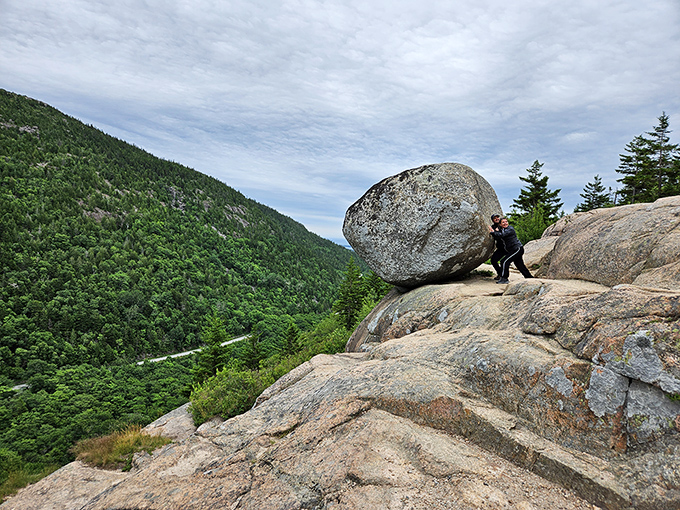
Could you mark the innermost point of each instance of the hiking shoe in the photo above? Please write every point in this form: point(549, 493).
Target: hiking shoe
point(503, 280)
point(498, 277)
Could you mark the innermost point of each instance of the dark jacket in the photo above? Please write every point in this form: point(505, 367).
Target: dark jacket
point(508, 239)
point(498, 240)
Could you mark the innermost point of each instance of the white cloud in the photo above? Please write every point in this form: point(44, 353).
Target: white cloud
point(310, 102)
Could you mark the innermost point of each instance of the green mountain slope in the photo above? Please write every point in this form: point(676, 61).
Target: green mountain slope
point(110, 254)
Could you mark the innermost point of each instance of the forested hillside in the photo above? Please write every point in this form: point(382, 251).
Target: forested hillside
point(109, 253)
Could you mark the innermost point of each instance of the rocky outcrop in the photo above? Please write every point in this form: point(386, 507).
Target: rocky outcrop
point(76, 484)
point(591, 369)
point(424, 225)
point(629, 244)
point(68, 488)
point(332, 439)
point(460, 395)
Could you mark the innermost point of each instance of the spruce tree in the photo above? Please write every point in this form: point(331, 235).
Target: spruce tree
point(635, 166)
point(350, 296)
point(375, 287)
point(594, 196)
point(663, 154)
point(530, 226)
point(253, 351)
point(211, 357)
point(291, 342)
point(650, 165)
point(536, 192)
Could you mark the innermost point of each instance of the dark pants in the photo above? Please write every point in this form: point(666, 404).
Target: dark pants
point(515, 258)
point(496, 260)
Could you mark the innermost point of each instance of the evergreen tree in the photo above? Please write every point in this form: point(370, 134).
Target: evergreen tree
point(291, 342)
point(663, 154)
point(351, 295)
point(211, 357)
point(531, 226)
point(650, 167)
point(536, 192)
point(594, 196)
point(253, 349)
point(375, 287)
point(635, 167)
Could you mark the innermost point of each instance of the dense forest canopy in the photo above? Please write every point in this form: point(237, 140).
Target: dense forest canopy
point(109, 253)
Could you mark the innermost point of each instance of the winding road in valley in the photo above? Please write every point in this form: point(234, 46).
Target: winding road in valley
point(153, 360)
point(186, 353)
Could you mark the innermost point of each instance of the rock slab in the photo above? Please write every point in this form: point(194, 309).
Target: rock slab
point(424, 225)
point(636, 244)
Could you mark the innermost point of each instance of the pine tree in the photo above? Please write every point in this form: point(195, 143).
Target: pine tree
point(663, 154)
point(536, 193)
point(650, 167)
point(636, 167)
point(594, 196)
point(351, 295)
point(253, 349)
point(291, 342)
point(211, 357)
point(375, 287)
point(530, 226)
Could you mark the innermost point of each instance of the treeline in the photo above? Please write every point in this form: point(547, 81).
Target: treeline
point(109, 254)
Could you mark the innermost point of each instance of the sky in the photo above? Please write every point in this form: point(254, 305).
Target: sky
point(303, 105)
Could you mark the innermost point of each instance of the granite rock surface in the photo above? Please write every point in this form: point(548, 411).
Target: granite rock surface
point(628, 244)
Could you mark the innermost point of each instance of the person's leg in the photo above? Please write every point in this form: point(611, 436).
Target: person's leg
point(519, 264)
point(505, 267)
point(495, 261)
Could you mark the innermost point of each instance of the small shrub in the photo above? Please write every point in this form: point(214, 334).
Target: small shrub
point(115, 450)
point(231, 391)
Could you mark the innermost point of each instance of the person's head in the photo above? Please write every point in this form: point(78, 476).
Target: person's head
point(504, 222)
point(495, 218)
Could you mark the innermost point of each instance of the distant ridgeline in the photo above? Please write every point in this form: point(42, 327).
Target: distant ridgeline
point(108, 253)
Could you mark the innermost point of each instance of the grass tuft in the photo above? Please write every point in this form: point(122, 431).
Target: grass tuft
point(115, 450)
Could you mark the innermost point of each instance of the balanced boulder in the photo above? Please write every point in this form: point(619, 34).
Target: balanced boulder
point(424, 225)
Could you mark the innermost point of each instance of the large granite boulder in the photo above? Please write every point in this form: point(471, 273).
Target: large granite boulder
point(627, 244)
point(424, 225)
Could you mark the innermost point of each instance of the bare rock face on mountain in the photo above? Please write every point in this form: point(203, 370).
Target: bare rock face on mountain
point(423, 225)
point(628, 244)
point(177, 424)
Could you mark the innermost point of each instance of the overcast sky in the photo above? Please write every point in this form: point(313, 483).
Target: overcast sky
point(303, 105)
